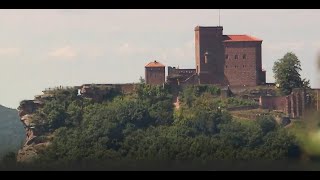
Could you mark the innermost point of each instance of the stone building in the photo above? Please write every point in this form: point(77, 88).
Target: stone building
point(233, 60)
point(155, 73)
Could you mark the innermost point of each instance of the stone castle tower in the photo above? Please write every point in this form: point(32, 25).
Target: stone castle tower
point(227, 59)
point(233, 60)
point(209, 53)
point(155, 73)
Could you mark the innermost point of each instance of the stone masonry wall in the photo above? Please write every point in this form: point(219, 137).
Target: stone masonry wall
point(242, 63)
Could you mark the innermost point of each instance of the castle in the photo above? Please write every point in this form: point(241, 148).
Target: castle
point(232, 61)
point(225, 60)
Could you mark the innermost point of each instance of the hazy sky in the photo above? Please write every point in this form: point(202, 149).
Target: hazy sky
point(48, 48)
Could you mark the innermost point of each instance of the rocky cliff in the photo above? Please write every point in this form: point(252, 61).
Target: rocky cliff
point(31, 147)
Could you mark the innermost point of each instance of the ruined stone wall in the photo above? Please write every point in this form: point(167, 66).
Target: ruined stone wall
point(273, 102)
point(294, 105)
point(98, 92)
point(126, 88)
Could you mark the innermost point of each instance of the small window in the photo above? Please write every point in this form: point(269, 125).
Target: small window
point(244, 56)
point(243, 65)
point(235, 66)
point(227, 57)
point(236, 57)
point(226, 66)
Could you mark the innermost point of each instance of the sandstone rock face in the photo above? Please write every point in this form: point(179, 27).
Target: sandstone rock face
point(26, 154)
point(30, 149)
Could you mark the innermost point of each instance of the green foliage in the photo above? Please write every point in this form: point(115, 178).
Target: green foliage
point(74, 113)
point(287, 73)
point(12, 132)
point(8, 160)
point(190, 93)
point(51, 116)
point(232, 101)
point(145, 126)
point(208, 95)
point(141, 80)
point(153, 94)
point(267, 123)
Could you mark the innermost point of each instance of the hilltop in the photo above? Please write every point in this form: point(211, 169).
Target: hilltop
point(11, 130)
point(65, 128)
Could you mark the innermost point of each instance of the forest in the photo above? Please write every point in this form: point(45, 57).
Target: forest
point(144, 126)
point(12, 132)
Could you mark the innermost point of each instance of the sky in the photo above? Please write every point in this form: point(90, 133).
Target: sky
point(48, 48)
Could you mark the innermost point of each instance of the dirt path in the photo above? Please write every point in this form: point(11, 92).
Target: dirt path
point(176, 102)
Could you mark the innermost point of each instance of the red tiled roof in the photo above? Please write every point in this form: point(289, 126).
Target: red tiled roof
point(155, 64)
point(231, 38)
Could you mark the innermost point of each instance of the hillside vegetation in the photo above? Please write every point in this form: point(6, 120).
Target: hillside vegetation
point(144, 126)
point(12, 133)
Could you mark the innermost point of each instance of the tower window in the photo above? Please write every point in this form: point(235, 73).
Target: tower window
point(226, 66)
point(236, 57)
point(244, 56)
point(227, 57)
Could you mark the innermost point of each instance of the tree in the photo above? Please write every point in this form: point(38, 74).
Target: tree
point(287, 73)
point(141, 80)
point(266, 123)
point(9, 158)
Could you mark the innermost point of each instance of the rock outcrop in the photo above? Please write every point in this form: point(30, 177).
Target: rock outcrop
point(30, 148)
point(98, 92)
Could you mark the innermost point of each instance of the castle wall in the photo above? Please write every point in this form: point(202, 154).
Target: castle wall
point(183, 74)
point(98, 92)
point(293, 105)
point(126, 88)
point(273, 102)
point(243, 63)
